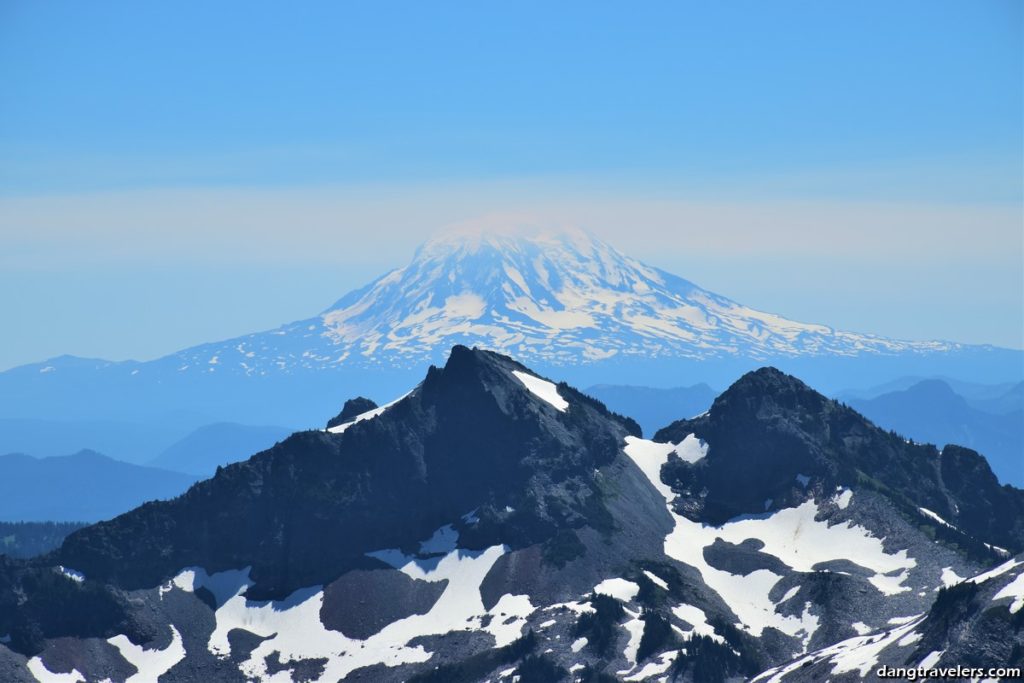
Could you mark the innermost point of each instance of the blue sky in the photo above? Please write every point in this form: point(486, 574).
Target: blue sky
point(787, 125)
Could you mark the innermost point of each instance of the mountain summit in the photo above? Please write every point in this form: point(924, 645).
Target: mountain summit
point(564, 302)
point(492, 523)
point(559, 298)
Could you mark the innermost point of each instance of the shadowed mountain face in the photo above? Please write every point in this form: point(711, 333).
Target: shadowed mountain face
point(769, 428)
point(492, 521)
point(931, 412)
point(467, 438)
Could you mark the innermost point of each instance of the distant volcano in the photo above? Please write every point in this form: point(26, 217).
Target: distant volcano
point(562, 301)
point(561, 298)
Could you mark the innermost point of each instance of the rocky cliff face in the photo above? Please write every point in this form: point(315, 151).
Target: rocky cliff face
point(492, 523)
point(774, 437)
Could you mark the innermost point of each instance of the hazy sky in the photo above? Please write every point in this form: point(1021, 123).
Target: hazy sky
point(185, 172)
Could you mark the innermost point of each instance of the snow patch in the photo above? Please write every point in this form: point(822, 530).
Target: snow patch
point(658, 581)
point(662, 665)
point(620, 589)
point(859, 653)
point(292, 626)
point(891, 584)
point(861, 628)
point(789, 594)
point(909, 639)
point(1015, 590)
point(992, 573)
point(73, 574)
point(578, 644)
point(542, 389)
point(793, 535)
point(368, 415)
point(44, 675)
point(935, 517)
point(903, 620)
point(698, 619)
point(151, 664)
point(635, 628)
point(691, 449)
point(842, 500)
point(950, 577)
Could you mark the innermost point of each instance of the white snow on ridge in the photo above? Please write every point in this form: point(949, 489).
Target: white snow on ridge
point(859, 653)
point(793, 535)
point(368, 415)
point(542, 389)
point(997, 571)
point(935, 517)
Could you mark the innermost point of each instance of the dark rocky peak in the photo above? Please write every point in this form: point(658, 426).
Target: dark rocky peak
point(352, 408)
point(481, 433)
point(773, 437)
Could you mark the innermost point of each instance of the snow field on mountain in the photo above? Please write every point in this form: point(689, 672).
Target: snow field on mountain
point(695, 617)
point(635, 628)
point(620, 589)
point(997, 571)
point(44, 675)
point(859, 653)
point(543, 389)
point(661, 665)
point(691, 449)
point(1015, 590)
point(793, 535)
point(558, 298)
point(151, 664)
point(294, 629)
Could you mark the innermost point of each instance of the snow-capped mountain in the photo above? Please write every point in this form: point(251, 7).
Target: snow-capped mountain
point(491, 524)
point(561, 298)
point(564, 302)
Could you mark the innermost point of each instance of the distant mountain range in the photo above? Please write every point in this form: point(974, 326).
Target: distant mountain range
point(654, 408)
point(493, 524)
point(202, 451)
point(564, 302)
point(930, 411)
point(84, 487)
